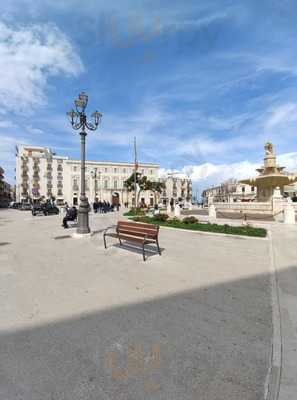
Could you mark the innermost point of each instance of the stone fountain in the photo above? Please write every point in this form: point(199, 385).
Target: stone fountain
point(271, 177)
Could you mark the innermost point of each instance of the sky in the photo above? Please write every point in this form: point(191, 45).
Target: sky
point(202, 85)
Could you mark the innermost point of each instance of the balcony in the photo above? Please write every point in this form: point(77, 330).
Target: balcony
point(75, 188)
point(60, 185)
point(60, 168)
point(49, 186)
point(25, 176)
point(49, 167)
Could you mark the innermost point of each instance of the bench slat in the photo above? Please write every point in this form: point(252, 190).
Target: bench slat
point(138, 224)
point(138, 232)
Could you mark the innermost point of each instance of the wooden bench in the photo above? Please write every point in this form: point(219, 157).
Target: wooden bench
point(134, 232)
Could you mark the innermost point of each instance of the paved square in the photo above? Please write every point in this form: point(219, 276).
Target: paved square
point(81, 322)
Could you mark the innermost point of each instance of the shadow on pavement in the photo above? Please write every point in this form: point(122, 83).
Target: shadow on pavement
point(210, 343)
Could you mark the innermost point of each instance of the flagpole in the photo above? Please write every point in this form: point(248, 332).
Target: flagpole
point(135, 171)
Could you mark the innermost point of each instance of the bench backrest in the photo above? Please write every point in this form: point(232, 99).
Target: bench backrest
point(138, 229)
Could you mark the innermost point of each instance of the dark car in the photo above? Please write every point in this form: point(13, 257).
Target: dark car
point(15, 205)
point(45, 209)
point(25, 207)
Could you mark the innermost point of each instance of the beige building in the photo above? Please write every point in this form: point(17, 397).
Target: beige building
point(42, 173)
point(229, 192)
point(178, 188)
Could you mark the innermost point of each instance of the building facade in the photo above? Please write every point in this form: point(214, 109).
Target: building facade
point(40, 173)
point(229, 192)
point(178, 187)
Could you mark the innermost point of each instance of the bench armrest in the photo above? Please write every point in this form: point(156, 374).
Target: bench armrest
point(109, 227)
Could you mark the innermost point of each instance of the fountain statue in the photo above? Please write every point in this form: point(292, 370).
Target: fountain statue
point(271, 176)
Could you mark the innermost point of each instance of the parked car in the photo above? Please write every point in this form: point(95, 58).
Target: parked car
point(15, 204)
point(45, 209)
point(25, 207)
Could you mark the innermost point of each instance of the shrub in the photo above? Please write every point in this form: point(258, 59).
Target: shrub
point(190, 220)
point(141, 218)
point(135, 211)
point(174, 221)
point(161, 217)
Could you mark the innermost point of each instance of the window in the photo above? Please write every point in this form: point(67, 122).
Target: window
point(115, 184)
point(115, 170)
point(253, 188)
point(74, 169)
point(105, 169)
point(151, 172)
point(243, 189)
point(75, 184)
point(106, 184)
point(124, 170)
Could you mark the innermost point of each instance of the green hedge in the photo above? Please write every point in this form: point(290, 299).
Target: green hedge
point(134, 211)
point(244, 230)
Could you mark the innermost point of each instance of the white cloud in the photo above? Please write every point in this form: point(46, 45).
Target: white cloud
point(209, 174)
point(28, 57)
point(282, 114)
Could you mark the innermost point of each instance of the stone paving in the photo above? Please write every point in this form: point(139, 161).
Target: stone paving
point(81, 322)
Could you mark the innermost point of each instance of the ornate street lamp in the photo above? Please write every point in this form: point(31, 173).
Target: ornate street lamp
point(79, 121)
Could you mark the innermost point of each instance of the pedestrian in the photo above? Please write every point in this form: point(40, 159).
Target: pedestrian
point(71, 215)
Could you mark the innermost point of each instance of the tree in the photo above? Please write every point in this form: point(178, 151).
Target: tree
point(156, 187)
point(143, 184)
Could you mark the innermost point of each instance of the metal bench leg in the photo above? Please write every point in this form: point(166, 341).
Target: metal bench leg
point(159, 250)
point(143, 252)
point(120, 241)
point(104, 241)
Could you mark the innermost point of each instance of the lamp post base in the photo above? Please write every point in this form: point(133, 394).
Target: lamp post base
point(83, 216)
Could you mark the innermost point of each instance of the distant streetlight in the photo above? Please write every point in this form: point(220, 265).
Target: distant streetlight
point(79, 121)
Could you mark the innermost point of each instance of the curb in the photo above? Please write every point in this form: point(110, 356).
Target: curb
point(273, 380)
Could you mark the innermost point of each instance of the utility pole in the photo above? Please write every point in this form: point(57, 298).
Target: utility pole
point(135, 171)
